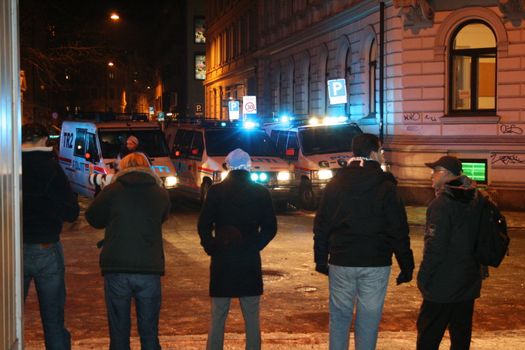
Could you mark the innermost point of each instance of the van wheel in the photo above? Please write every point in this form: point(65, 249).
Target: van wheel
point(205, 186)
point(307, 198)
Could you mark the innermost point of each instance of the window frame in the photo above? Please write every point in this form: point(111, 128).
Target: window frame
point(475, 55)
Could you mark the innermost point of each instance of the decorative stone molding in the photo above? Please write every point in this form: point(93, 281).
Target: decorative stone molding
point(513, 11)
point(416, 14)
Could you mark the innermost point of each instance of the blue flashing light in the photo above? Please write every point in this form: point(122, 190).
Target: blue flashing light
point(285, 119)
point(263, 177)
point(223, 124)
point(254, 176)
point(250, 125)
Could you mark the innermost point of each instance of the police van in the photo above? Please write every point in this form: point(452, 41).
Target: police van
point(89, 151)
point(199, 148)
point(317, 148)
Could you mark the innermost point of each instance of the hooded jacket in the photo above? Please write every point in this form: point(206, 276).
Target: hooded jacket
point(236, 222)
point(131, 209)
point(361, 220)
point(48, 200)
point(449, 272)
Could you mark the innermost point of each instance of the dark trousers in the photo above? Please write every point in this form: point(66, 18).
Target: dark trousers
point(435, 318)
point(119, 288)
point(44, 264)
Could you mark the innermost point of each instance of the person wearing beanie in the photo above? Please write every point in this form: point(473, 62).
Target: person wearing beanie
point(132, 145)
point(131, 210)
point(360, 223)
point(236, 222)
point(449, 276)
point(48, 201)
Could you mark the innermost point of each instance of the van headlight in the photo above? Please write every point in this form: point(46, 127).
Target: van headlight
point(170, 181)
point(283, 176)
point(325, 174)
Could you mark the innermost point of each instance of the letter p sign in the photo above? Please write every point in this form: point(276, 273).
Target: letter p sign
point(337, 91)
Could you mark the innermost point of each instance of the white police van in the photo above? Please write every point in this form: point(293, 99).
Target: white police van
point(317, 148)
point(199, 148)
point(89, 150)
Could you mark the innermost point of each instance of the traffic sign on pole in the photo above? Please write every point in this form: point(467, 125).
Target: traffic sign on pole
point(337, 91)
point(233, 109)
point(249, 105)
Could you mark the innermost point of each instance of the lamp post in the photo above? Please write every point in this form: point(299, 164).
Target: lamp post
point(108, 73)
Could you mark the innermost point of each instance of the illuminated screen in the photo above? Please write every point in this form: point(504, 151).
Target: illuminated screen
point(476, 169)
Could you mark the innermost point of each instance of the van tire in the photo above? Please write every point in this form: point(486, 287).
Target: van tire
point(205, 186)
point(307, 200)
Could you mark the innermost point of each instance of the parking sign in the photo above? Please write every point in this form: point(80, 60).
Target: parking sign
point(233, 109)
point(337, 91)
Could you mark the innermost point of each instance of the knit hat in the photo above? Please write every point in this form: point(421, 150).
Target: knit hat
point(133, 139)
point(450, 163)
point(238, 160)
point(33, 132)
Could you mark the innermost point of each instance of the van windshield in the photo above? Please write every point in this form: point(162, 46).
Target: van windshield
point(328, 139)
point(220, 142)
point(151, 142)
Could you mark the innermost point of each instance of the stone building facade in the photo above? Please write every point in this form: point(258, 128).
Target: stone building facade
point(453, 77)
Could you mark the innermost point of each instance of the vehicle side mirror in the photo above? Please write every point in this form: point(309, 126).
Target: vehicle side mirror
point(92, 157)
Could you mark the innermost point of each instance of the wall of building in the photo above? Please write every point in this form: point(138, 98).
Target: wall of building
point(302, 44)
point(10, 165)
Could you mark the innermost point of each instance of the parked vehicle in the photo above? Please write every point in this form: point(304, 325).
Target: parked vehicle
point(88, 148)
point(316, 148)
point(199, 149)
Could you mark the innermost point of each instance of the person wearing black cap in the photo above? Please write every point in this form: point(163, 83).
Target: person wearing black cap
point(47, 202)
point(360, 223)
point(449, 276)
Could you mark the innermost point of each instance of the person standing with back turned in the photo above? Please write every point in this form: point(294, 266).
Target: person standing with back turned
point(360, 222)
point(48, 201)
point(132, 209)
point(449, 276)
point(236, 222)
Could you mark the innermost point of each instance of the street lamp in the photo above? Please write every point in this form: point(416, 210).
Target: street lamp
point(109, 75)
point(114, 17)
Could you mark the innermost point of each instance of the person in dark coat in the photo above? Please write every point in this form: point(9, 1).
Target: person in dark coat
point(449, 276)
point(360, 222)
point(48, 201)
point(132, 209)
point(236, 222)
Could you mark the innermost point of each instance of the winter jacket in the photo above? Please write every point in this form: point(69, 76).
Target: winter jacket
point(361, 220)
point(48, 200)
point(131, 209)
point(449, 272)
point(236, 222)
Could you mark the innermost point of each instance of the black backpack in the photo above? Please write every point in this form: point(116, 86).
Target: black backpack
point(492, 242)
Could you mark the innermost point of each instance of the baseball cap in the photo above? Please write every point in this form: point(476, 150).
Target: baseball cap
point(450, 163)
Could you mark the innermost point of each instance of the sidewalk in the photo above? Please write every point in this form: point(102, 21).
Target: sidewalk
point(515, 219)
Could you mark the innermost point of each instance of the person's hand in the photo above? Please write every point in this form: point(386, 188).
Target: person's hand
point(322, 268)
point(404, 277)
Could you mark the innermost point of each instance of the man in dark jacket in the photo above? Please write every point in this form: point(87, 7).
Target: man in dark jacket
point(132, 210)
point(236, 222)
point(449, 277)
point(360, 222)
point(47, 202)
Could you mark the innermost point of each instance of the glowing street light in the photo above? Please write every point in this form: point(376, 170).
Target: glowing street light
point(110, 64)
point(114, 16)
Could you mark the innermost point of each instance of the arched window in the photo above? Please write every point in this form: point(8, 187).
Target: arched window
point(473, 69)
point(372, 67)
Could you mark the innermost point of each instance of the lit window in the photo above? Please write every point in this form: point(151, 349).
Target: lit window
point(473, 69)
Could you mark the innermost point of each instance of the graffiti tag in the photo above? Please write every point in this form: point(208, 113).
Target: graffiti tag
point(506, 159)
point(510, 129)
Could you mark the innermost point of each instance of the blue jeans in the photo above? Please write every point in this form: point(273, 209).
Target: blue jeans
point(364, 288)
point(250, 312)
point(44, 263)
point(119, 288)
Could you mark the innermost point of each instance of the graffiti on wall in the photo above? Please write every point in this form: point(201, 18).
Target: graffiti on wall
point(510, 129)
point(507, 159)
point(419, 117)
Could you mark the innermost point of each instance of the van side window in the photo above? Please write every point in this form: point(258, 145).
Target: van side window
point(292, 145)
point(177, 143)
point(281, 143)
point(197, 146)
point(91, 147)
point(80, 143)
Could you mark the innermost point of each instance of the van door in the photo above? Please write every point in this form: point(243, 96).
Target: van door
point(80, 166)
point(181, 147)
